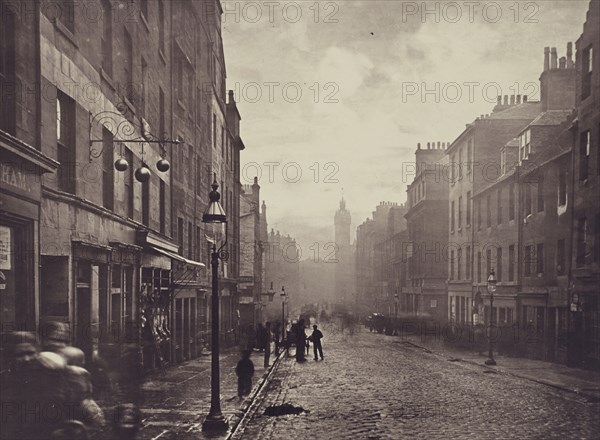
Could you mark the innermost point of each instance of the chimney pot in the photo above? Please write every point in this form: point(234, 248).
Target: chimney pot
point(438, 145)
point(419, 146)
point(512, 99)
point(428, 145)
point(562, 63)
point(231, 98)
point(524, 98)
point(518, 99)
point(499, 100)
point(553, 59)
point(546, 59)
point(505, 99)
point(569, 55)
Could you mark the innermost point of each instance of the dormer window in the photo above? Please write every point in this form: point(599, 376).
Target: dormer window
point(525, 144)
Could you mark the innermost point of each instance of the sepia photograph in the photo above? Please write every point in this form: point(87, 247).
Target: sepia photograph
point(288, 219)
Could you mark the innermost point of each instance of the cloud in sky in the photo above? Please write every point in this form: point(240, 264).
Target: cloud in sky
point(340, 106)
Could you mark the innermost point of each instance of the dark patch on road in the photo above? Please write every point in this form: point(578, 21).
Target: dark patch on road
point(282, 410)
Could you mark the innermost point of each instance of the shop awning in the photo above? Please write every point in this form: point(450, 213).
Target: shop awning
point(177, 257)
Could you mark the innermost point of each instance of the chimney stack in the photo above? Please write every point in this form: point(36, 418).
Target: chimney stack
point(524, 98)
point(512, 99)
point(419, 146)
point(499, 100)
point(569, 55)
point(553, 59)
point(546, 59)
point(231, 98)
point(518, 99)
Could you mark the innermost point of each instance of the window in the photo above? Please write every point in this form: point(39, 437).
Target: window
point(67, 14)
point(597, 239)
point(161, 25)
point(144, 8)
point(190, 238)
point(452, 216)
point(499, 264)
point(459, 264)
point(128, 181)
point(108, 175)
point(479, 214)
point(525, 145)
point(528, 260)
point(499, 207)
point(560, 257)
point(214, 131)
point(128, 68)
point(144, 97)
point(479, 267)
point(584, 154)
point(562, 187)
point(527, 198)
point(587, 62)
point(581, 241)
point(451, 265)
point(197, 253)
point(540, 193)
point(469, 156)
point(511, 201)
point(65, 135)
point(489, 211)
point(540, 258)
point(7, 71)
point(468, 266)
point(511, 262)
point(453, 169)
point(468, 219)
point(180, 234)
point(180, 77)
point(146, 201)
point(460, 212)
point(488, 256)
point(459, 164)
point(163, 206)
point(106, 40)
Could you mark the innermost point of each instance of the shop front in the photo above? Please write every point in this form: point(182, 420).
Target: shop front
point(21, 168)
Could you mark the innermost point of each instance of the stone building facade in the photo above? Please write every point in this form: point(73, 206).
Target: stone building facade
point(123, 257)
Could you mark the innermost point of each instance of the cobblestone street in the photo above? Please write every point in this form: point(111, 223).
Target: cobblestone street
point(372, 386)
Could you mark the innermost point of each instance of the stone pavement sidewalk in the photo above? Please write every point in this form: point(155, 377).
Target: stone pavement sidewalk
point(174, 405)
point(583, 382)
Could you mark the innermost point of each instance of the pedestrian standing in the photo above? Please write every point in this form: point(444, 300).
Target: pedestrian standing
point(268, 338)
point(244, 371)
point(300, 341)
point(316, 340)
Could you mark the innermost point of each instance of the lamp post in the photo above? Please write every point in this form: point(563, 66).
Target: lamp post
point(491, 286)
point(215, 215)
point(283, 298)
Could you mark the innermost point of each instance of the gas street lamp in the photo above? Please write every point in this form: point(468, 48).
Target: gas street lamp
point(491, 286)
point(283, 298)
point(214, 214)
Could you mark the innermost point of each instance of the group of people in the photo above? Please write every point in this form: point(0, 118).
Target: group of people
point(48, 389)
point(297, 334)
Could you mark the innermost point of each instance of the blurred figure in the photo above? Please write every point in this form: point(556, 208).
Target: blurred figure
point(300, 341)
point(244, 371)
point(316, 337)
point(33, 392)
point(126, 421)
point(268, 337)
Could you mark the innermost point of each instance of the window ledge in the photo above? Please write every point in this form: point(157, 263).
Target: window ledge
point(162, 56)
point(107, 79)
point(66, 32)
point(145, 21)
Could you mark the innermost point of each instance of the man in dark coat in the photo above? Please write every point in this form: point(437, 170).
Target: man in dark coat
point(315, 338)
point(300, 341)
point(244, 371)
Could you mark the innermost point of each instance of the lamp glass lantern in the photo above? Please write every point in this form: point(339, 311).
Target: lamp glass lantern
point(491, 282)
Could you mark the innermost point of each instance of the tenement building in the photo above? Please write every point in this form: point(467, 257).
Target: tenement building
point(129, 107)
point(427, 220)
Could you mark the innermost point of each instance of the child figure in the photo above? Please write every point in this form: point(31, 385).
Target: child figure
point(244, 371)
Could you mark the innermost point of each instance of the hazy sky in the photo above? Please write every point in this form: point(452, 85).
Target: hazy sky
point(342, 91)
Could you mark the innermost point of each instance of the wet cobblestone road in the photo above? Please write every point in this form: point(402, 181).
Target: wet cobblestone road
point(373, 386)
